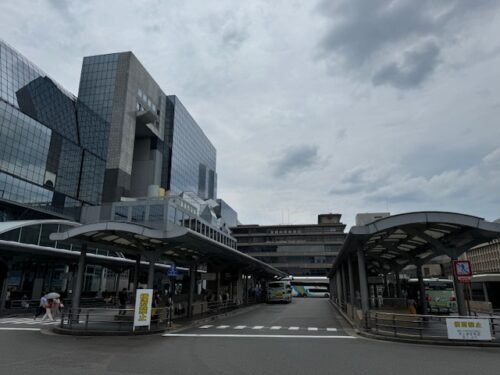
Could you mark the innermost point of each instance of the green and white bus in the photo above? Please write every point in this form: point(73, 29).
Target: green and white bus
point(279, 291)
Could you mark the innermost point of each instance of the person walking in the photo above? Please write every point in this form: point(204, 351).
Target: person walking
point(122, 297)
point(48, 310)
point(41, 308)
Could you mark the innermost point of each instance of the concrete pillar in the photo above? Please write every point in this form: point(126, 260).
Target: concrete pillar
point(192, 283)
point(137, 269)
point(386, 287)
point(363, 282)
point(36, 291)
point(421, 288)
point(352, 293)
point(77, 291)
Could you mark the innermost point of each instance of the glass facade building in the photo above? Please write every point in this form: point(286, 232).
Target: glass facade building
point(52, 147)
point(193, 157)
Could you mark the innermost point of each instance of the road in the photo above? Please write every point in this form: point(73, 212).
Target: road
point(301, 338)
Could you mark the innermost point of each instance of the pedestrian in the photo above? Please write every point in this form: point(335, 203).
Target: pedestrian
point(7, 299)
point(122, 297)
point(56, 303)
point(48, 310)
point(41, 308)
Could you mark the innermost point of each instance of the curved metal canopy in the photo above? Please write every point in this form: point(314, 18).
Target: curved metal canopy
point(178, 244)
point(394, 242)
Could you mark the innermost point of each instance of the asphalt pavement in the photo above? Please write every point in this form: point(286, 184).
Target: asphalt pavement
point(304, 337)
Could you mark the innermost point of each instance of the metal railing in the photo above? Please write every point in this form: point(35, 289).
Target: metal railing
point(421, 326)
point(112, 319)
point(25, 306)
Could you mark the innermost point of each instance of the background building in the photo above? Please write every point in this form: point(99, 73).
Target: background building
point(299, 250)
point(53, 148)
point(64, 157)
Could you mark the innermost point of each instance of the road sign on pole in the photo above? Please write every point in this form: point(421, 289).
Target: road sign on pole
point(462, 270)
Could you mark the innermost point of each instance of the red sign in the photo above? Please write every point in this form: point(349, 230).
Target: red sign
point(462, 270)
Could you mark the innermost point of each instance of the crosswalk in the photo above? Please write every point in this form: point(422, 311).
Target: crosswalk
point(27, 321)
point(272, 328)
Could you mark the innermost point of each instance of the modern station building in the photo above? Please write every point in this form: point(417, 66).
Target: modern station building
point(61, 157)
point(298, 250)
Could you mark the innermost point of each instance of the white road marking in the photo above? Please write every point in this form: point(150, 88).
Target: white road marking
point(240, 327)
point(255, 336)
point(206, 326)
point(29, 321)
point(293, 328)
point(222, 327)
point(312, 329)
point(331, 329)
point(258, 327)
point(18, 329)
point(276, 327)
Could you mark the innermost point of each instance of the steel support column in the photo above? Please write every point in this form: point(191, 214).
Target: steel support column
point(421, 288)
point(459, 293)
point(77, 291)
point(137, 269)
point(398, 284)
point(344, 284)
point(151, 273)
point(363, 282)
point(338, 284)
point(192, 283)
point(352, 293)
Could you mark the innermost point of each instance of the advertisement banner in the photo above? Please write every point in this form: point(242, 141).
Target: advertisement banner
point(142, 312)
point(468, 329)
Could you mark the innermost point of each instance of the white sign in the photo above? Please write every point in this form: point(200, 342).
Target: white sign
point(142, 312)
point(468, 329)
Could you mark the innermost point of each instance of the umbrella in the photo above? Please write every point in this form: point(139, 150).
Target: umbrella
point(52, 295)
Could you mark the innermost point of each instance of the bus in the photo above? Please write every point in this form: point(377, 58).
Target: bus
point(439, 294)
point(309, 286)
point(279, 291)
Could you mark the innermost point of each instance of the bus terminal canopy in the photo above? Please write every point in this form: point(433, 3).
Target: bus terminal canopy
point(390, 244)
point(178, 244)
point(394, 242)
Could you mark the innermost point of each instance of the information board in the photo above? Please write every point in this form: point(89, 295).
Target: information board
point(468, 329)
point(142, 312)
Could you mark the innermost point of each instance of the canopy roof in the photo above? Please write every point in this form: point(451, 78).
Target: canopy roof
point(178, 244)
point(394, 242)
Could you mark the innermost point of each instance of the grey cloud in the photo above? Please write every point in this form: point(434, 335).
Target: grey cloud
point(417, 64)
point(295, 159)
point(362, 34)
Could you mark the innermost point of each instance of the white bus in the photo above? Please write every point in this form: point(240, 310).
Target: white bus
point(279, 291)
point(310, 286)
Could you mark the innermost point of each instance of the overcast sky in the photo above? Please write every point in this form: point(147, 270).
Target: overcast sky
point(314, 106)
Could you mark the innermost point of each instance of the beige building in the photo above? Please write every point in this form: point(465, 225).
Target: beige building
point(485, 258)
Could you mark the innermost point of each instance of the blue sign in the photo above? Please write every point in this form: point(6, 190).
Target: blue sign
point(172, 271)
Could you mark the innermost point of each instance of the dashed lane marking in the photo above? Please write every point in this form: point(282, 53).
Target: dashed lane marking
point(222, 327)
point(312, 329)
point(293, 328)
point(256, 336)
point(206, 326)
point(258, 327)
point(240, 327)
point(331, 329)
point(275, 327)
point(18, 329)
